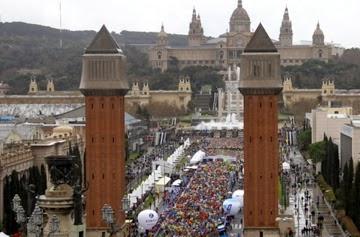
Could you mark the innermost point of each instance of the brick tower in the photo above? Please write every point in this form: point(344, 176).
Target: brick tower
point(260, 84)
point(104, 85)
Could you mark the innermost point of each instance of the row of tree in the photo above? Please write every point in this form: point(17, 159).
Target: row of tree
point(27, 185)
point(350, 191)
point(330, 163)
point(327, 153)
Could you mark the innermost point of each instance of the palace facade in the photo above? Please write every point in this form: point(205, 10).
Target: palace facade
point(227, 48)
point(328, 94)
point(144, 96)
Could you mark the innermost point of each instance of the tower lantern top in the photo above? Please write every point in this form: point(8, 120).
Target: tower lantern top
point(260, 65)
point(104, 67)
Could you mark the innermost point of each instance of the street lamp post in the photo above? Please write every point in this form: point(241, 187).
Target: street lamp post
point(109, 218)
point(34, 223)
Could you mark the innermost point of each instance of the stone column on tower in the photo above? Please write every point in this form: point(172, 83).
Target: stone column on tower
point(260, 85)
point(104, 85)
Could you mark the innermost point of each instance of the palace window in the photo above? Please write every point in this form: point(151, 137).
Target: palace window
point(320, 53)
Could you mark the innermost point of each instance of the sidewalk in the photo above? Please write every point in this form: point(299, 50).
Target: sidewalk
point(330, 227)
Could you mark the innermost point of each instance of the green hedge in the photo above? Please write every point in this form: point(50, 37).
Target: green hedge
point(326, 189)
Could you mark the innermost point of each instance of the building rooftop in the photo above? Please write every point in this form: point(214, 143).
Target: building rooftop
point(103, 43)
point(260, 42)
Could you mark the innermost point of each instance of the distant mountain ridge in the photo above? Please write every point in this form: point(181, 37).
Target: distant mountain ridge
point(23, 32)
point(30, 49)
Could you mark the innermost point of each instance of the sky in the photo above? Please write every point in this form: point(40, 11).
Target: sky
point(338, 19)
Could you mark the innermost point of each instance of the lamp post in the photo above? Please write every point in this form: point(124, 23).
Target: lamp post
point(34, 223)
point(109, 218)
point(20, 212)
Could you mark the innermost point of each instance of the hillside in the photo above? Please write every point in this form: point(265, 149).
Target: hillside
point(28, 49)
point(34, 49)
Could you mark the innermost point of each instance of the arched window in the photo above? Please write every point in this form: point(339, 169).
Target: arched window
point(221, 55)
point(320, 53)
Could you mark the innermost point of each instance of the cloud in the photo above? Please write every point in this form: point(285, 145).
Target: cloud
point(336, 18)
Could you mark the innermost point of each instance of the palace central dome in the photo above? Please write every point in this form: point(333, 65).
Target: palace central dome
point(240, 20)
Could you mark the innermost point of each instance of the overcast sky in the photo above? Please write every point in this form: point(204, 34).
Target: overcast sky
point(338, 19)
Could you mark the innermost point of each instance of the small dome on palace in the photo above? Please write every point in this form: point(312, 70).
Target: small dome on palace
point(318, 31)
point(240, 13)
point(162, 32)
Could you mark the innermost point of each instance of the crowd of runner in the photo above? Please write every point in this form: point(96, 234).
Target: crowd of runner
point(198, 210)
point(225, 143)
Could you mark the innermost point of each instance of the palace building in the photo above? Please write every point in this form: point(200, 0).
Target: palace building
point(228, 48)
point(145, 96)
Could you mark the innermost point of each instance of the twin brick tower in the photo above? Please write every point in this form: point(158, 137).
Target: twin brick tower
point(104, 85)
point(260, 85)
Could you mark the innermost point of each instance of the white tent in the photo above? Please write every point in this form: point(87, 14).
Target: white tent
point(160, 185)
point(176, 182)
point(197, 157)
point(285, 166)
point(2, 234)
point(156, 179)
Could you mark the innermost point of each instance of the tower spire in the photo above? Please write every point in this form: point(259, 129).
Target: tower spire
point(240, 3)
point(194, 14)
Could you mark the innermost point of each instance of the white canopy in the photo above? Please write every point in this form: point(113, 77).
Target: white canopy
point(156, 179)
point(160, 185)
point(197, 157)
point(2, 234)
point(230, 123)
point(285, 166)
point(176, 182)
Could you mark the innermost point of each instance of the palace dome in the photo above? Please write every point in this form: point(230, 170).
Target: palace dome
point(318, 31)
point(240, 14)
point(240, 20)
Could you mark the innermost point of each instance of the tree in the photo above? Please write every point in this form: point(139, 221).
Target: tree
point(43, 180)
point(345, 186)
point(173, 65)
point(304, 139)
point(336, 172)
point(317, 152)
point(348, 177)
point(357, 196)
